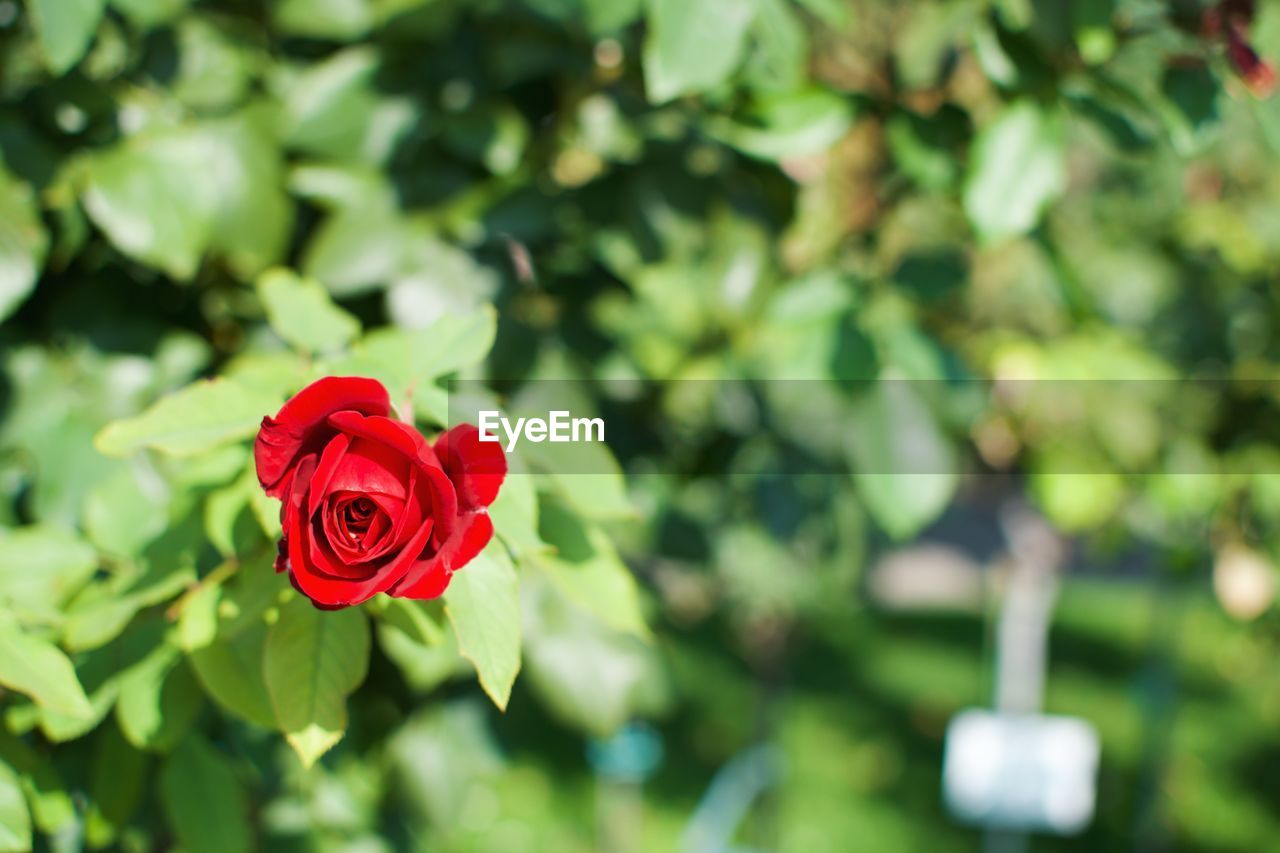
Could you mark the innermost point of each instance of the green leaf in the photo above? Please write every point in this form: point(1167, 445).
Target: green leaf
point(198, 622)
point(339, 20)
point(211, 469)
point(693, 47)
point(224, 631)
point(224, 508)
point(278, 373)
point(454, 342)
point(313, 660)
point(1192, 110)
point(333, 108)
point(100, 671)
point(214, 69)
point(904, 467)
point(103, 612)
point(200, 417)
point(220, 185)
point(595, 495)
point(158, 701)
point(126, 511)
point(51, 805)
point(64, 29)
point(587, 569)
point(483, 603)
point(169, 171)
point(780, 58)
point(356, 249)
point(410, 362)
point(442, 752)
point(301, 311)
point(230, 670)
point(23, 243)
point(253, 214)
point(1017, 168)
point(40, 670)
point(145, 14)
point(605, 17)
point(586, 674)
point(15, 821)
point(41, 568)
point(515, 514)
point(117, 789)
point(204, 800)
point(421, 621)
point(423, 667)
point(787, 125)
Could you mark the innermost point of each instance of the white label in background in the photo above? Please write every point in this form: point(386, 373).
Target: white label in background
point(1021, 771)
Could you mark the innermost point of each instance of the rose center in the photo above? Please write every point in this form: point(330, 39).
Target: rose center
point(356, 518)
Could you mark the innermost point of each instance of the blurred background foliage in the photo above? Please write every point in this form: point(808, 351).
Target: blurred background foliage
point(966, 193)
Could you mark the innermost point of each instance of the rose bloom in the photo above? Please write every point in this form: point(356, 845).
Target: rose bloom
point(367, 505)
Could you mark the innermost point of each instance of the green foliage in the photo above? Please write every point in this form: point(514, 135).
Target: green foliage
point(15, 822)
point(311, 662)
point(23, 243)
point(483, 603)
point(896, 232)
point(693, 47)
point(65, 30)
point(36, 667)
point(1018, 168)
point(204, 799)
point(193, 420)
point(304, 315)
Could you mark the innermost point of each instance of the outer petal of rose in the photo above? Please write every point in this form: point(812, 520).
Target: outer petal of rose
point(406, 439)
point(316, 604)
point(295, 489)
point(428, 578)
point(389, 431)
point(476, 467)
point(326, 589)
point(283, 438)
point(369, 467)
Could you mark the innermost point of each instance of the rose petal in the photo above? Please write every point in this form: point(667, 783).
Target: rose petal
point(324, 559)
point(393, 433)
point(429, 578)
point(411, 514)
point(300, 426)
point(348, 545)
point(296, 492)
point(476, 467)
point(381, 536)
point(317, 605)
point(407, 440)
point(368, 468)
point(329, 459)
point(328, 590)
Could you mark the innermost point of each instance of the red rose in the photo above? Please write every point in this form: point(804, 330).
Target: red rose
point(367, 505)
